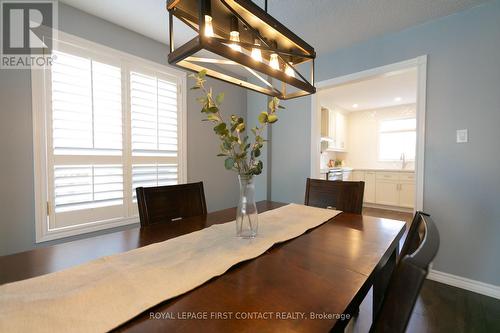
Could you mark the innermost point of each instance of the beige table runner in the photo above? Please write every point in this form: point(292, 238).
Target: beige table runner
point(104, 293)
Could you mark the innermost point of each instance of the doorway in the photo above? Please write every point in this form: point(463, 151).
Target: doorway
point(395, 153)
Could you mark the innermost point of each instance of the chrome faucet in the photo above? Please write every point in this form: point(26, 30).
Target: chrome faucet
point(403, 161)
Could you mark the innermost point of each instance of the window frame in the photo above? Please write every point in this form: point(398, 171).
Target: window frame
point(379, 132)
point(43, 161)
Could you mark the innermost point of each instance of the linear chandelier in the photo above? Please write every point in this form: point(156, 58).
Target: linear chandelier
point(236, 39)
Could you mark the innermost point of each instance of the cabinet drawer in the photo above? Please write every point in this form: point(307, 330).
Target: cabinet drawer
point(387, 176)
point(407, 176)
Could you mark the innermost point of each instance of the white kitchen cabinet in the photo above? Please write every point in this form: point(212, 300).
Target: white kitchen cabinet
point(387, 192)
point(406, 194)
point(369, 195)
point(340, 131)
point(387, 188)
point(333, 129)
point(395, 189)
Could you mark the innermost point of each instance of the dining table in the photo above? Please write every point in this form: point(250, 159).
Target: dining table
point(312, 283)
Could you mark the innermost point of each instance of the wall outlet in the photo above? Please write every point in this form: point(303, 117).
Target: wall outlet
point(462, 136)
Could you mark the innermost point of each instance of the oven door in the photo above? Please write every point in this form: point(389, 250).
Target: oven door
point(335, 175)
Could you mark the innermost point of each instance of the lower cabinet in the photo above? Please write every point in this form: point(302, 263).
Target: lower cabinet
point(406, 195)
point(387, 193)
point(369, 195)
point(387, 188)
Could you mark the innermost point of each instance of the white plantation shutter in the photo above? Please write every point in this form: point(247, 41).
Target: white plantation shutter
point(87, 135)
point(105, 123)
point(154, 112)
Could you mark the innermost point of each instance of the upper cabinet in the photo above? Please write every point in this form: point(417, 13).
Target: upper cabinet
point(333, 129)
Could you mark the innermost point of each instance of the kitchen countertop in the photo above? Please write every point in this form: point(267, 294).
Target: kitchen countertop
point(383, 170)
point(323, 171)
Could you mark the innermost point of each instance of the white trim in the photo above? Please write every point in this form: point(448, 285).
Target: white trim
point(87, 228)
point(41, 131)
point(421, 64)
point(464, 283)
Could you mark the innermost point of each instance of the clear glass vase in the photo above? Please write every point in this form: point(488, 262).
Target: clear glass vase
point(247, 222)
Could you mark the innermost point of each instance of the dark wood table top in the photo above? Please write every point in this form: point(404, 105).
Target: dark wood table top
point(325, 271)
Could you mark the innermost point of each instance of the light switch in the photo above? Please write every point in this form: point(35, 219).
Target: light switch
point(462, 136)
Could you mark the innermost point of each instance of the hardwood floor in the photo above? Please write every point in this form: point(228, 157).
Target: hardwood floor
point(440, 308)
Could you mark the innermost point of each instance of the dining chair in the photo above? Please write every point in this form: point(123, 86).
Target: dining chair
point(170, 203)
point(414, 235)
point(346, 196)
point(406, 281)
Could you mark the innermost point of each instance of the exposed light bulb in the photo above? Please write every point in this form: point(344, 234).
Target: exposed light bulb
point(235, 37)
point(289, 70)
point(256, 53)
point(273, 62)
point(209, 29)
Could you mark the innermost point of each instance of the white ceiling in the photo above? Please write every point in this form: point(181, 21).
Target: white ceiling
point(325, 24)
point(391, 89)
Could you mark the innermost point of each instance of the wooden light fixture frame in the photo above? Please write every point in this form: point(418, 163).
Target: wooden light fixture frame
point(192, 13)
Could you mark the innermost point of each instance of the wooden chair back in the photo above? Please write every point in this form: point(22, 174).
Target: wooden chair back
point(170, 203)
point(406, 282)
point(346, 196)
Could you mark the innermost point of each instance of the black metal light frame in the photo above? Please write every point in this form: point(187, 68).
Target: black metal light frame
point(267, 29)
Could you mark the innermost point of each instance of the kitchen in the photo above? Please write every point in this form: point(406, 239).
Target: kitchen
point(368, 133)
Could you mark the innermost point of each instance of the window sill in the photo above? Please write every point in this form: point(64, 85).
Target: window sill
point(61, 233)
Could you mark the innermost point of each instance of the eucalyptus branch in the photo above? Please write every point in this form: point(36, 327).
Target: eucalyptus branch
point(240, 155)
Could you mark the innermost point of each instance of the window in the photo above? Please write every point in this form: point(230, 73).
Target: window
point(397, 137)
point(104, 123)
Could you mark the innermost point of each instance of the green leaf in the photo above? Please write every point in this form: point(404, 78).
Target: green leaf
point(213, 109)
point(240, 127)
point(219, 98)
point(195, 87)
point(281, 107)
point(221, 154)
point(229, 163)
point(272, 118)
point(256, 152)
point(202, 73)
point(227, 145)
point(263, 117)
point(220, 129)
point(213, 117)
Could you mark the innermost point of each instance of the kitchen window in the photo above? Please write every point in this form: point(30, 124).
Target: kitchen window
point(397, 139)
point(105, 123)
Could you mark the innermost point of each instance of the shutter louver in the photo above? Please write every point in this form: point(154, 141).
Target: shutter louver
point(86, 107)
point(87, 186)
point(150, 175)
point(154, 116)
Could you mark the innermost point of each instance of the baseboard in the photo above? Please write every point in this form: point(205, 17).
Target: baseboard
point(464, 283)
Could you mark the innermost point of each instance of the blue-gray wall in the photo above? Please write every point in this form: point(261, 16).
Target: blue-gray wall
point(462, 182)
point(17, 224)
point(256, 103)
